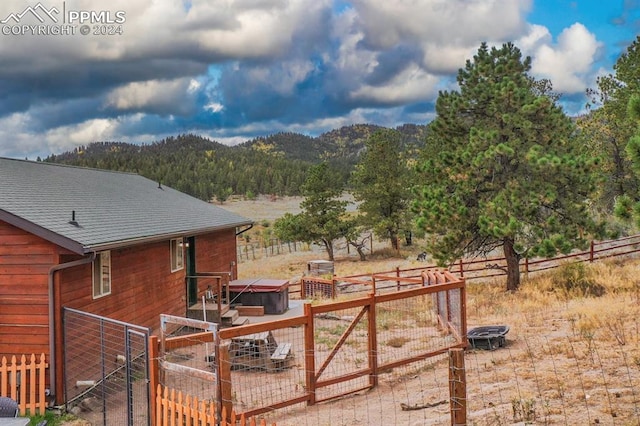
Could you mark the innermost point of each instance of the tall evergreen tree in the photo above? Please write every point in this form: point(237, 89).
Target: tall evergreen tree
point(501, 169)
point(381, 183)
point(609, 126)
point(613, 129)
point(322, 219)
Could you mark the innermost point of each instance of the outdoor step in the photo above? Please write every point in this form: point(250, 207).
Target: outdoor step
point(240, 321)
point(230, 316)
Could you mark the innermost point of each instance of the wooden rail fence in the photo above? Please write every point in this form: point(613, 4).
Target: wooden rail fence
point(470, 269)
point(24, 382)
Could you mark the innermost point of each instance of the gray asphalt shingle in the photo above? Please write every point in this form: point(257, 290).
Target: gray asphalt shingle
point(111, 208)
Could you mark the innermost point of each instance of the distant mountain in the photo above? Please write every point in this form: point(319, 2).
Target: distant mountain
point(274, 164)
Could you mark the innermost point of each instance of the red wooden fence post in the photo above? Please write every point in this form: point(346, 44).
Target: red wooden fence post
point(225, 381)
point(309, 355)
point(457, 387)
point(154, 367)
point(373, 342)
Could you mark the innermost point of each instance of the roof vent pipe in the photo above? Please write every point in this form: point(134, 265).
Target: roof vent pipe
point(73, 218)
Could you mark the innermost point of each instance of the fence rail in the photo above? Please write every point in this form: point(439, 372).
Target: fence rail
point(329, 351)
point(24, 382)
point(470, 269)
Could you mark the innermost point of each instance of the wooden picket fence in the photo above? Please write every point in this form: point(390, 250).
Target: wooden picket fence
point(176, 409)
point(24, 382)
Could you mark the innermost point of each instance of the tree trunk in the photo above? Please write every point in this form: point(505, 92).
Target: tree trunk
point(513, 265)
point(394, 241)
point(359, 247)
point(328, 245)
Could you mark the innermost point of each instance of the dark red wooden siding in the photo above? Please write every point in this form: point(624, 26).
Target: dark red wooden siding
point(142, 286)
point(216, 252)
point(25, 260)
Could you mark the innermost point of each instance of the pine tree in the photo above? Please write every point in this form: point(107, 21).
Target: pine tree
point(322, 219)
point(381, 184)
point(501, 169)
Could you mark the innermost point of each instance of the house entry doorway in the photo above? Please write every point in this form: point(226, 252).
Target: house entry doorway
point(192, 283)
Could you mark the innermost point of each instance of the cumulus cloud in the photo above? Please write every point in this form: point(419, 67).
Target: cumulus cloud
point(237, 69)
point(156, 96)
point(569, 62)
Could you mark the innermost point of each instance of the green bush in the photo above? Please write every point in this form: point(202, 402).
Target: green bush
point(574, 279)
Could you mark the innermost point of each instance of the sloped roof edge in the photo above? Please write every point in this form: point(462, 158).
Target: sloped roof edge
point(41, 232)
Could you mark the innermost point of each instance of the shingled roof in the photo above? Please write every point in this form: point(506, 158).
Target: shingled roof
point(111, 209)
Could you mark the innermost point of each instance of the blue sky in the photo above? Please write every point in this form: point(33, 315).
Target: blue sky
point(232, 70)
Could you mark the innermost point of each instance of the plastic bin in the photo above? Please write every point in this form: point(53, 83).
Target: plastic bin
point(488, 337)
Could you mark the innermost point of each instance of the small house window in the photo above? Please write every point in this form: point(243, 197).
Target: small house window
point(102, 274)
point(177, 254)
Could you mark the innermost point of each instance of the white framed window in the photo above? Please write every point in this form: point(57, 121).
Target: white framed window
point(102, 274)
point(177, 254)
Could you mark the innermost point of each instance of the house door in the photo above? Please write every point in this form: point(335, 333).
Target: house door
point(192, 282)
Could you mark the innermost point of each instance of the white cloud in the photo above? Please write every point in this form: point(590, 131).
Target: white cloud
point(410, 85)
point(443, 22)
point(569, 63)
point(214, 107)
point(153, 94)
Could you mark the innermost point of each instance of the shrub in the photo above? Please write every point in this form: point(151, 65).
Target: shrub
point(575, 280)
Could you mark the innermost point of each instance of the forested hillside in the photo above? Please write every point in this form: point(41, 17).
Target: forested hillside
point(275, 164)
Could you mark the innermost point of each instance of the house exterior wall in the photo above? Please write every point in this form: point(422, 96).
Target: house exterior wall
point(25, 260)
point(142, 286)
point(216, 253)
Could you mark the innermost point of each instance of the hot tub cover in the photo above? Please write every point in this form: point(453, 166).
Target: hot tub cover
point(258, 285)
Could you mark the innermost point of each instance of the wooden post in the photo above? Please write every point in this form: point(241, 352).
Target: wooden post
point(461, 268)
point(225, 380)
point(463, 314)
point(398, 280)
point(373, 342)
point(457, 387)
point(591, 250)
point(334, 283)
point(154, 367)
point(309, 355)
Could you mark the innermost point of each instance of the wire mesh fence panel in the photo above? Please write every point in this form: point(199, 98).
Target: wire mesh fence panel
point(267, 367)
point(408, 328)
point(188, 360)
point(106, 369)
point(198, 376)
point(342, 348)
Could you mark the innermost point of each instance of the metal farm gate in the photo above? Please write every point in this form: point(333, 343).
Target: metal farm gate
point(106, 370)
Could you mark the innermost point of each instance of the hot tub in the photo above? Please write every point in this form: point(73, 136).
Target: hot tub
point(271, 293)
